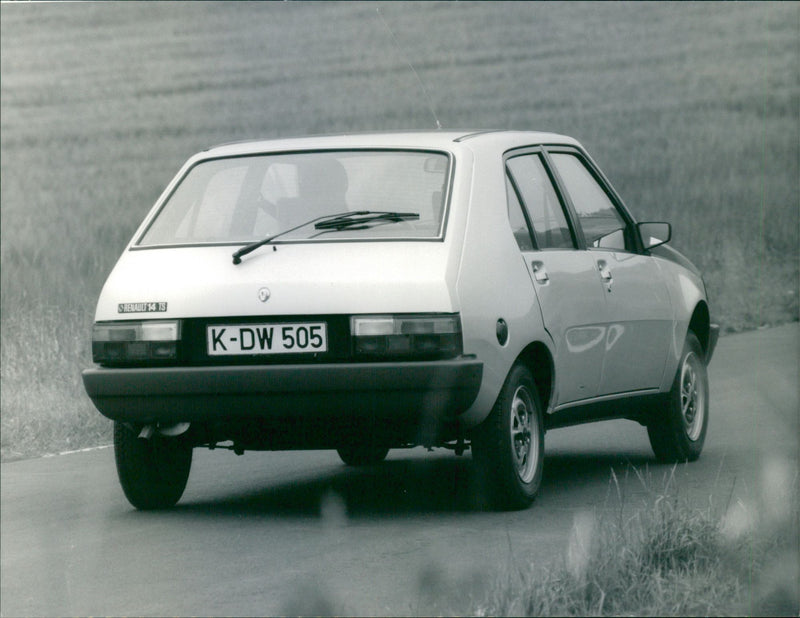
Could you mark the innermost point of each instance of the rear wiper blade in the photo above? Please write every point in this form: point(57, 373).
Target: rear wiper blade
point(237, 256)
point(335, 221)
point(361, 219)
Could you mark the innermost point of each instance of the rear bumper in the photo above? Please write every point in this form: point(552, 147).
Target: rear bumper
point(209, 394)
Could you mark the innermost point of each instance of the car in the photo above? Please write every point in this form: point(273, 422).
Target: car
point(367, 292)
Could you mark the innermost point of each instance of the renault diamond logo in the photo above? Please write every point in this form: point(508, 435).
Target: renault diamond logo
point(263, 295)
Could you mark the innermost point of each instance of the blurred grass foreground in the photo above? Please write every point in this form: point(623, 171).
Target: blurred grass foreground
point(665, 557)
point(692, 111)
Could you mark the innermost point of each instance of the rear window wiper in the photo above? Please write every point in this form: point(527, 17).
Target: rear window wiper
point(352, 219)
point(361, 219)
point(237, 256)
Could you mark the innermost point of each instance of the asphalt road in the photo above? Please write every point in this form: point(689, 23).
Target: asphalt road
point(297, 532)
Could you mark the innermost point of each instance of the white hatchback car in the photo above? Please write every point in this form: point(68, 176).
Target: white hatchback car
point(378, 291)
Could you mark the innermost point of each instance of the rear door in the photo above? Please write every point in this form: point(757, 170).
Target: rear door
point(639, 322)
point(565, 278)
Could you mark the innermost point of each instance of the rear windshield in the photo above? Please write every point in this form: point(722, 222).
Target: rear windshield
point(242, 199)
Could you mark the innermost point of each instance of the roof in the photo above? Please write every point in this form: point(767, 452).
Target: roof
point(434, 139)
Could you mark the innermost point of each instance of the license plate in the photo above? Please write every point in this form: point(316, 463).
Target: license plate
point(237, 339)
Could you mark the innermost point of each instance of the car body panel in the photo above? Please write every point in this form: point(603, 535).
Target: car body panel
point(686, 292)
point(492, 283)
point(640, 323)
point(321, 278)
point(574, 313)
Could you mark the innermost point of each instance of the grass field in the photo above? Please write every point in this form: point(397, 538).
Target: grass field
point(693, 111)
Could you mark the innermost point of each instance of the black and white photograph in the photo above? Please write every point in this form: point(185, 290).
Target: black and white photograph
point(388, 308)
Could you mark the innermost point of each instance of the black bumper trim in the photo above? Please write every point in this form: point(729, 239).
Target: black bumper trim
point(174, 394)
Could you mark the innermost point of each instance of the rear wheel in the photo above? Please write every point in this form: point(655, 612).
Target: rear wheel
point(678, 431)
point(509, 445)
point(362, 454)
point(152, 472)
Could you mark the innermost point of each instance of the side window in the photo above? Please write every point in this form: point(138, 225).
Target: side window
point(602, 224)
point(544, 210)
point(517, 219)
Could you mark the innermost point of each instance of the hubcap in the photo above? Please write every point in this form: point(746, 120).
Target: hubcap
point(524, 443)
point(692, 397)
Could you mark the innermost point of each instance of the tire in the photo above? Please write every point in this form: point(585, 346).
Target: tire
point(153, 472)
point(508, 446)
point(362, 454)
point(678, 431)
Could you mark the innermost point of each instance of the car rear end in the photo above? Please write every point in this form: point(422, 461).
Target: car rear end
point(321, 337)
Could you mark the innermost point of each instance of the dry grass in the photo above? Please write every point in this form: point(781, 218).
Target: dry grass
point(667, 558)
point(693, 113)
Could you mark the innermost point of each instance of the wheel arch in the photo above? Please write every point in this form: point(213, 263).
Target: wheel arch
point(700, 325)
point(537, 358)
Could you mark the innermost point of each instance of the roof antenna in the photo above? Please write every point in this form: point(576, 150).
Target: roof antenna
point(410, 66)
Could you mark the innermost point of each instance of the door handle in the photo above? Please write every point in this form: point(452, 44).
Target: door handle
point(540, 272)
point(605, 272)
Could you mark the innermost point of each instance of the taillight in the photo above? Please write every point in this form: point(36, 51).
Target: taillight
point(406, 336)
point(135, 342)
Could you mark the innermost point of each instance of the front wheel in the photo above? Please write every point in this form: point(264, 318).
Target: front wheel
point(152, 472)
point(678, 430)
point(508, 446)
